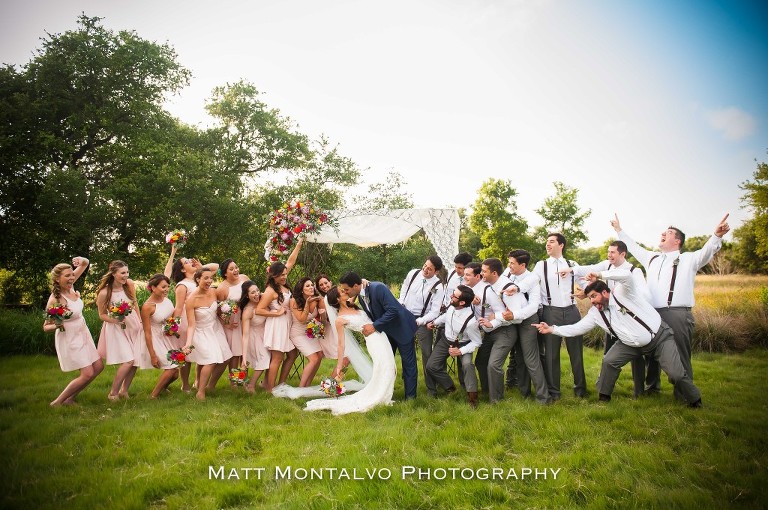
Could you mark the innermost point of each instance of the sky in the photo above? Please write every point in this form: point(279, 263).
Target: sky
point(654, 110)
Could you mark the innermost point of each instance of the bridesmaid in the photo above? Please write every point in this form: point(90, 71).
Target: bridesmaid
point(120, 342)
point(74, 343)
point(306, 304)
point(274, 305)
point(154, 312)
point(231, 288)
point(255, 354)
point(183, 274)
point(323, 284)
point(206, 334)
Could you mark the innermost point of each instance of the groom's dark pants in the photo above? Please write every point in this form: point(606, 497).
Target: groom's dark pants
point(410, 371)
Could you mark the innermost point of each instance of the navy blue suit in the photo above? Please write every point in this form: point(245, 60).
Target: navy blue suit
point(390, 317)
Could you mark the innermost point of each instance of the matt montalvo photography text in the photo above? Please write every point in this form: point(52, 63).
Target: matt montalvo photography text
point(401, 473)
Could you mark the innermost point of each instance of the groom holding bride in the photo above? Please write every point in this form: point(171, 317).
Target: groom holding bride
point(389, 317)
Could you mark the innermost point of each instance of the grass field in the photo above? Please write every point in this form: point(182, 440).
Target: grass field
point(253, 451)
point(169, 453)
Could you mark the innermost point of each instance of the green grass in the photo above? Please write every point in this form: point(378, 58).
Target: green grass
point(140, 453)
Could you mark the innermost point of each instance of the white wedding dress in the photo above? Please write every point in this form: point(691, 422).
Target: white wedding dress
point(379, 388)
point(358, 360)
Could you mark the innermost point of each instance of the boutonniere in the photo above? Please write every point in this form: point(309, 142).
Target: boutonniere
point(622, 310)
point(486, 305)
point(433, 290)
point(676, 261)
point(459, 336)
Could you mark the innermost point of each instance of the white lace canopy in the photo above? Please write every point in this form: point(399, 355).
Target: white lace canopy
point(371, 227)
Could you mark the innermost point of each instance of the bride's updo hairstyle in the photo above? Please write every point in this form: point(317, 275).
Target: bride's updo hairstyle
point(333, 299)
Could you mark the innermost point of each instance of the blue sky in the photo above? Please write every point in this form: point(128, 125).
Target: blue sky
point(654, 110)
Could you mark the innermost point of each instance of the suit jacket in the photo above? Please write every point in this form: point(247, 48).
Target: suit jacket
point(388, 315)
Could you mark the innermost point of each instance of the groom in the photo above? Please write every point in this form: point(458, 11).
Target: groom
point(389, 317)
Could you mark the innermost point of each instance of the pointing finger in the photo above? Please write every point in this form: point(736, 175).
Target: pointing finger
point(725, 217)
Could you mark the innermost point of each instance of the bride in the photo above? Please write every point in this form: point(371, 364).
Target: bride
point(378, 389)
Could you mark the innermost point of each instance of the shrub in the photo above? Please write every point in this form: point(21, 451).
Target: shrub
point(717, 331)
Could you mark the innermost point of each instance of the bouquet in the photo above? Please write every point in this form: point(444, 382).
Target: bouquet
point(120, 310)
point(238, 375)
point(332, 386)
point(58, 313)
point(315, 329)
point(226, 309)
point(178, 357)
point(177, 237)
point(171, 326)
point(296, 218)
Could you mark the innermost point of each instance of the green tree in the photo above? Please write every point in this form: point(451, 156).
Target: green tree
point(562, 214)
point(494, 217)
point(752, 249)
point(254, 137)
point(74, 129)
point(390, 193)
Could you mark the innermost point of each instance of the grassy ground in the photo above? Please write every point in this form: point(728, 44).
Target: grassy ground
point(139, 453)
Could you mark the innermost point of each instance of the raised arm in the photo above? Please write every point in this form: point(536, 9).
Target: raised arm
point(168, 271)
point(294, 255)
point(80, 264)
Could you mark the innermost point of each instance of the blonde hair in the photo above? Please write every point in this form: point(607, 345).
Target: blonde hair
point(55, 277)
point(108, 279)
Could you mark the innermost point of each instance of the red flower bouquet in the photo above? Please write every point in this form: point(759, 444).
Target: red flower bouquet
point(58, 313)
point(178, 357)
point(177, 237)
point(226, 309)
point(238, 375)
point(315, 329)
point(171, 326)
point(120, 310)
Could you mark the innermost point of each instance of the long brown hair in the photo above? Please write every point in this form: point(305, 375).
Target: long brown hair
point(274, 271)
point(55, 276)
point(108, 279)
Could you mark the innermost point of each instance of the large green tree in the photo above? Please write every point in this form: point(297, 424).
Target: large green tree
point(75, 120)
point(752, 248)
point(496, 220)
point(561, 213)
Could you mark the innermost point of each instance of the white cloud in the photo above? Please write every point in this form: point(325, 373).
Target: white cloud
point(734, 123)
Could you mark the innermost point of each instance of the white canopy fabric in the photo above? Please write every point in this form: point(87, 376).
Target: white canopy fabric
point(371, 227)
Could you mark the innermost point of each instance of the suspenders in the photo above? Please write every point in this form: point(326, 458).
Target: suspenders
point(456, 343)
point(631, 314)
point(415, 274)
point(672, 281)
point(546, 281)
point(429, 298)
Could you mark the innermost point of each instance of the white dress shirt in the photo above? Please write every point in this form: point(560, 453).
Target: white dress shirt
point(454, 320)
point(490, 303)
point(521, 307)
point(637, 275)
point(627, 328)
point(659, 271)
point(454, 280)
point(419, 292)
point(561, 289)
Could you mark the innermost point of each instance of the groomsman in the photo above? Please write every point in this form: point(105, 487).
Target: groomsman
point(523, 314)
point(670, 277)
point(625, 314)
point(487, 306)
point(454, 279)
point(422, 294)
point(499, 332)
point(617, 259)
point(461, 339)
point(559, 308)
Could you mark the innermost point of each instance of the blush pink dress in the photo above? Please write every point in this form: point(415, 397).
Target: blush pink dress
point(160, 342)
point(74, 347)
point(277, 330)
